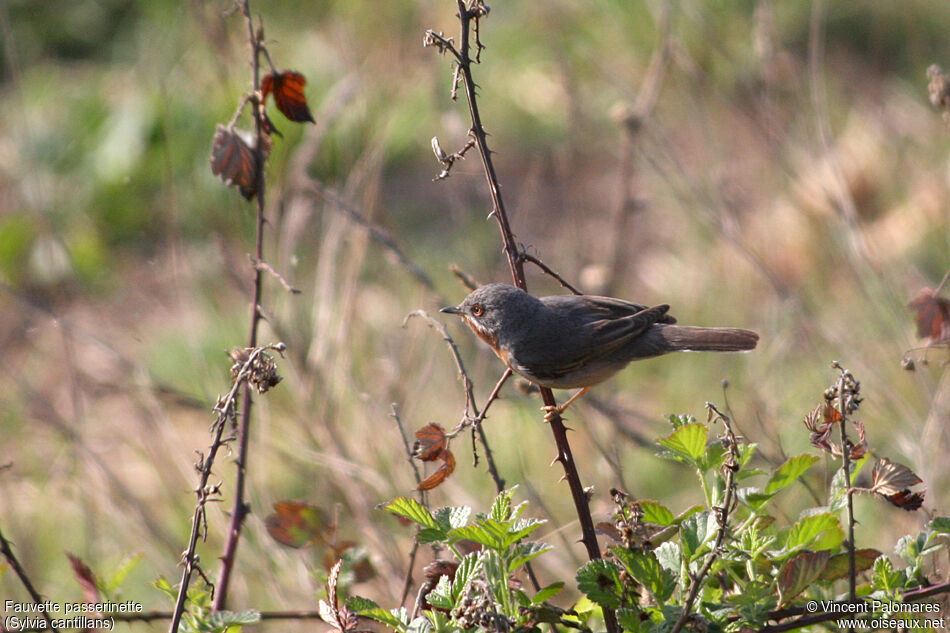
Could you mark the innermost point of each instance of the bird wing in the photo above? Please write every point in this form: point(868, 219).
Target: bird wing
point(619, 322)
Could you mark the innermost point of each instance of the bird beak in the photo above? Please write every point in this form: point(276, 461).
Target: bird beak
point(451, 310)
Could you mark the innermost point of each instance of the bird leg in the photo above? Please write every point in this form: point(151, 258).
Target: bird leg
point(551, 410)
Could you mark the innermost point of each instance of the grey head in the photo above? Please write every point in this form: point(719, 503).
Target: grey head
point(495, 308)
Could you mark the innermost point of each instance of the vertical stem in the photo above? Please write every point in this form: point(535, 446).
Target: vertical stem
point(564, 455)
point(846, 471)
point(11, 559)
point(240, 508)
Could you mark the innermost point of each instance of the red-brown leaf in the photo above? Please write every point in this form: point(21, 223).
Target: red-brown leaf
point(440, 475)
point(234, 161)
point(907, 500)
point(933, 316)
point(890, 478)
point(85, 578)
point(430, 442)
point(297, 524)
point(288, 94)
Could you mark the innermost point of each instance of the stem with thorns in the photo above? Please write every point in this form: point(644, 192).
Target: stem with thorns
point(7, 551)
point(240, 508)
point(467, 14)
point(846, 473)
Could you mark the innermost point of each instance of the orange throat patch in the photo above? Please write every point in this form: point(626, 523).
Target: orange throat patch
point(489, 337)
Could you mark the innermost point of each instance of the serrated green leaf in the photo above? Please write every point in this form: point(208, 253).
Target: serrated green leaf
point(818, 531)
point(115, 580)
point(884, 577)
point(695, 532)
point(655, 512)
point(548, 592)
point(431, 535)
point(687, 444)
point(670, 557)
point(523, 552)
point(599, 580)
point(480, 534)
point(358, 604)
point(790, 471)
point(753, 498)
point(629, 619)
point(221, 620)
point(162, 584)
point(413, 510)
point(501, 506)
point(799, 572)
point(420, 624)
point(522, 528)
point(646, 569)
point(467, 570)
point(452, 517)
point(441, 596)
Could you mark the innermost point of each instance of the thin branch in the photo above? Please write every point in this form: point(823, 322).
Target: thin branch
point(730, 466)
point(226, 411)
point(240, 508)
point(526, 257)
point(376, 232)
point(845, 401)
point(407, 584)
point(267, 268)
point(7, 551)
point(466, 15)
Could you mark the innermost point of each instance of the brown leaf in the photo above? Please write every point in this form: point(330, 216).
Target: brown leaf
point(890, 478)
point(86, 579)
point(430, 442)
point(799, 572)
point(361, 567)
point(838, 565)
point(432, 573)
point(298, 524)
point(907, 500)
point(933, 316)
point(440, 475)
point(860, 449)
point(288, 94)
point(234, 161)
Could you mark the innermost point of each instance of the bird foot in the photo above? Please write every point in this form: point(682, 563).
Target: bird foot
point(550, 411)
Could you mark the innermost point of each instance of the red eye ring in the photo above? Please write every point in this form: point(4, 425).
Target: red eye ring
point(478, 310)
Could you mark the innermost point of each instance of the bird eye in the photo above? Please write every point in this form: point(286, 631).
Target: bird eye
point(478, 310)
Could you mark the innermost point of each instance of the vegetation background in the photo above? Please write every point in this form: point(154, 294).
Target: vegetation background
point(792, 178)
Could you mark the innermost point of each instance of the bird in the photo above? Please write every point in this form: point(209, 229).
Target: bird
point(578, 341)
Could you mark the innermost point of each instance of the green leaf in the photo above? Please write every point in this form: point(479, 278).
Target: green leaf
point(599, 580)
point(452, 517)
point(695, 532)
point(686, 444)
point(789, 472)
point(818, 531)
point(940, 524)
point(441, 596)
point(884, 577)
point(646, 569)
point(799, 572)
point(680, 420)
point(397, 619)
point(115, 580)
point(165, 587)
point(221, 620)
point(522, 528)
point(753, 498)
point(431, 535)
point(523, 552)
point(670, 557)
point(413, 510)
point(548, 592)
point(629, 619)
point(467, 569)
point(501, 506)
point(480, 534)
point(839, 564)
point(654, 512)
point(421, 624)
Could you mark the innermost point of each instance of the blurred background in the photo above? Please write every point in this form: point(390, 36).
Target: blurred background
point(774, 165)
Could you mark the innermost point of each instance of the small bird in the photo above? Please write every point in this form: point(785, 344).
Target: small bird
point(577, 341)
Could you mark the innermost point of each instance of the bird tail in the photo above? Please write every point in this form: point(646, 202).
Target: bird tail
point(685, 338)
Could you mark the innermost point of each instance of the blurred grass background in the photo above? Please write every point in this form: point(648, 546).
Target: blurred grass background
point(791, 178)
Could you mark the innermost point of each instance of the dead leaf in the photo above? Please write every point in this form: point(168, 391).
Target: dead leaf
point(288, 94)
point(440, 475)
point(234, 161)
point(85, 578)
point(933, 316)
point(298, 524)
point(430, 442)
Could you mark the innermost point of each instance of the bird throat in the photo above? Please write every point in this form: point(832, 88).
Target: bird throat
point(489, 337)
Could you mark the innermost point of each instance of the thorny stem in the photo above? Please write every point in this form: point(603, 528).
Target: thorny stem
point(730, 465)
point(407, 584)
point(7, 551)
point(846, 473)
point(225, 410)
point(240, 508)
point(466, 14)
